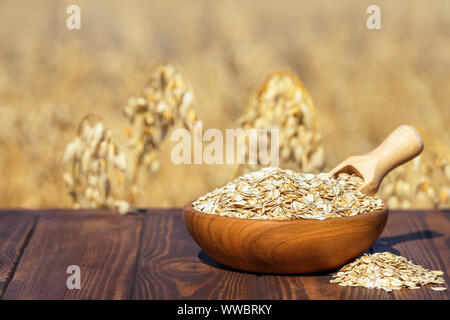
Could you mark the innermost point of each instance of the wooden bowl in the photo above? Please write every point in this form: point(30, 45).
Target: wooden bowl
point(287, 246)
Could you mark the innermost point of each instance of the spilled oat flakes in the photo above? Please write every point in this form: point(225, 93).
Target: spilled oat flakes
point(387, 271)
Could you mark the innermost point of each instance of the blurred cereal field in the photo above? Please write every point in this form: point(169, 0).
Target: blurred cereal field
point(363, 83)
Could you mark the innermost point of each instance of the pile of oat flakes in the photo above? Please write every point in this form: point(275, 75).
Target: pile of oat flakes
point(387, 271)
point(278, 194)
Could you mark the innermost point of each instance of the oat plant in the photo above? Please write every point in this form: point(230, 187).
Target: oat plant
point(283, 103)
point(164, 101)
point(423, 183)
point(95, 168)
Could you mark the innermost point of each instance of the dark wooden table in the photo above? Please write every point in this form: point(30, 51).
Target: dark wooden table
point(150, 255)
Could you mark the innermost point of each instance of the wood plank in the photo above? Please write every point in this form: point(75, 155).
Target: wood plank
point(152, 256)
point(172, 266)
point(103, 246)
point(314, 287)
point(439, 222)
point(15, 228)
point(410, 236)
point(421, 236)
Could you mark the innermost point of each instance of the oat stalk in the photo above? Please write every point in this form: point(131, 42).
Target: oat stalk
point(165, 100)
point(94, 164)
point(283, 103)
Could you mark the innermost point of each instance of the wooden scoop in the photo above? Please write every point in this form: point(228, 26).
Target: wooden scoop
point(402, 145)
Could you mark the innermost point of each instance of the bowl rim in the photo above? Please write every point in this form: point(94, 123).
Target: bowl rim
point(382, 211)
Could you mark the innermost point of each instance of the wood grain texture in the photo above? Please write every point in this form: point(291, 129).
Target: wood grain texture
point(103, 246)
point(15, 227)
point(118, 261)
point(284, 247)
point(172, 266)
point(421, 236)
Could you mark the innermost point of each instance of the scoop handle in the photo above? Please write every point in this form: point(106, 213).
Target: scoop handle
point(402, 145)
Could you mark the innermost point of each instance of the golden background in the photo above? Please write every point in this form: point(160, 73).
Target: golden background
point(364, 83)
